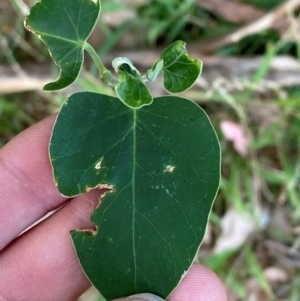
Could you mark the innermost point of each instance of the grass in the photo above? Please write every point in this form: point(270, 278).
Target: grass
point(269, 177)
point(19, 111)
point(275, 162)
point(13, 118)
point(265, 4)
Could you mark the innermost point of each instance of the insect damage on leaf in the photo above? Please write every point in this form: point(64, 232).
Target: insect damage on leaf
point(98, 164)
point(109, 188)
point(169, 168)
point(89, 232)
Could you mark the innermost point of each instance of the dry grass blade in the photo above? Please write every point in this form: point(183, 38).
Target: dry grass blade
point(265, 22)
point(242, 12)
point(31, 78)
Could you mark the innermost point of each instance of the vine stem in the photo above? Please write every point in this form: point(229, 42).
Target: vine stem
point(105, 75)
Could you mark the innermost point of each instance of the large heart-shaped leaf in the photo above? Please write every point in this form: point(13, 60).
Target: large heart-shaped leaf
point(162, 163)
point(64, 26)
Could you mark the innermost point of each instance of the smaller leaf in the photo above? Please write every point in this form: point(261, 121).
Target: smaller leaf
point(180, 71)
point(130, 89)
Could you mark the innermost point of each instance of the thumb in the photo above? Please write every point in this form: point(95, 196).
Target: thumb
point(142, 297)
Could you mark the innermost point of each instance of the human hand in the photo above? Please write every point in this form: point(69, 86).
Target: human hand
point(41, 264)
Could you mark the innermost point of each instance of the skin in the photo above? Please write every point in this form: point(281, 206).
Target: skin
point(41, 264)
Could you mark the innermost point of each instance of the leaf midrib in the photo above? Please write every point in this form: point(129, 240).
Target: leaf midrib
point(134, 112)
point(174, 61)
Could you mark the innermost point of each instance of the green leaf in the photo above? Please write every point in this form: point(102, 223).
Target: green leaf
point(162, 165)
point(130, 89)
point(64, 26)
point(180, 71)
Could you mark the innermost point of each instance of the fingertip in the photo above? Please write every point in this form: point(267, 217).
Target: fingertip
point(142, 297)
point(200, 284)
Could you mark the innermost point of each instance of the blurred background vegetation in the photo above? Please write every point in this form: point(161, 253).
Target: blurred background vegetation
point(250, 88)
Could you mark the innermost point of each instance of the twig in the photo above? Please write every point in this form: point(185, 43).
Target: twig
point(21, 6)
point(22, 43)
point(242, 12)
point(261, 24)
point(15, 66)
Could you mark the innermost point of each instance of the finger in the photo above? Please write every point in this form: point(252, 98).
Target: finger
point(42, 264)
point(200, 284)
point(142, 297)
point(27, 190)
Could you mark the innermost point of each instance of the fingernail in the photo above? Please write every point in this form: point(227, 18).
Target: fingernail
point(144, 297)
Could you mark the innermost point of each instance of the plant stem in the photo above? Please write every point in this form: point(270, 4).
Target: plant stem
point(105, 75)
